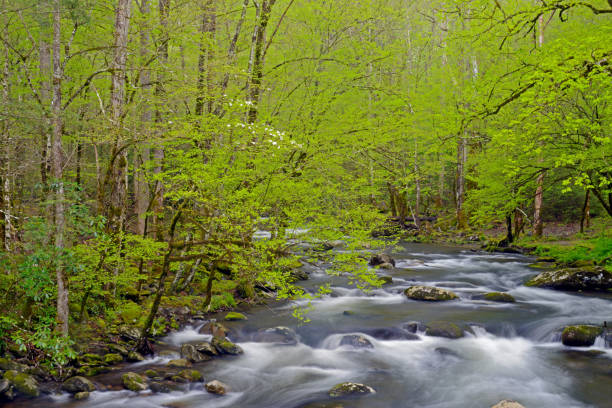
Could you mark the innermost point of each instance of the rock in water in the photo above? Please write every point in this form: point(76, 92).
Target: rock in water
point(216, 387)
point(134, 357)
point(233, 316)
point(279, 335)
point(214, 328)
point(381, 259)
point(444, 329)
point(429, 293)
point(134, 382)
point(508, 404)
point(580, 336)
point(191, 353)
point(78, 384)
point(224, 346)
point(191, 375)
point(24, 383)
point(79, 396)
point(350, 389)
point(574, 279)
point(500, 297)
point(179, 363)
point(356, 340)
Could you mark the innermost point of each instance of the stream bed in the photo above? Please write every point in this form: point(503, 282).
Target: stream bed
point(514, 350)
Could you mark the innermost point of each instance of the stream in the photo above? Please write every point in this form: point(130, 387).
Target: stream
point(514, 352)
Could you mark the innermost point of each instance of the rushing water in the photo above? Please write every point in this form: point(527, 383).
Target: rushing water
point(514, 353)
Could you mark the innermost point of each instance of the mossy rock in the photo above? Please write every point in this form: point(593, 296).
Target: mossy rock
point(191, 375)
point(216, 387)
point(151, 373)
point(134, 382)
point(542, 265)
point(118, 349)
point(134, 357)
point(386, 280)
point(92, 371)
point(214, 328)
point(113, 358)
point(574, 279)
point(24, 383)
point(191, 353)
point(547, 259)
point(429, 293)
point(205, 347)
point(350, 389)
point(581, 263)
point(235, 316)
point(77, 384)
point(8, 364)
point(179, 363)
point(224, 346)
point(80, 396)
point(90, 359)
point(580, 336)
point(444, 329)
point(499, 297)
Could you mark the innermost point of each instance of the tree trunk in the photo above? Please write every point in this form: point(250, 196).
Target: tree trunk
point(57, 168)
point(5, 165)
point(417, 204)
point(538, 225)
point(460, 185)
point(254, 88)
point(207, 35)
point(45, 73)
point(509, 236)
point(586, 216)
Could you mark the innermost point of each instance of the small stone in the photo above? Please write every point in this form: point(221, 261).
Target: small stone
point(350, 389)
point(179, 363)
point(500, 297)
point(134, 382)
point(216, 387)
point(191, 375)
point(83, 395)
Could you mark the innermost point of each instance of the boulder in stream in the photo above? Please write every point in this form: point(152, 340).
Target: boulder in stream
point(591, 278)
point(78, 384)
point(234, 316)
point(500, 297)
point(507, 404)
point(216, 387)
point(381, 259)
point(22, 382)
point(134, 382)
point(350, 389)
point(215, 329)
point(80, 396)
point(429, 293)
point(393, 333)
point(179, 363)
point(386, 280)
point(444, 329)
point(190, 353)
point(580, 336)
point(205, 347)
point(224, 346)
point(278, 335)
point(190, 375)
point(356, 340)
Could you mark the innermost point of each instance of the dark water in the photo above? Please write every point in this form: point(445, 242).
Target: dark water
point(514, 353)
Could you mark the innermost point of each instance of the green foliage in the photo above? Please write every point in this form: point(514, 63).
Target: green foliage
point(598, 250)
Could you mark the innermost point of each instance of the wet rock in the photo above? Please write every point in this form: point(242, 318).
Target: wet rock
point(191, 375)
point(92, 371)
point(500, 297)
point(206, 348)
point(134, 357)
point(215, 329)
point(8, 364)
point(386, 279)
point(224, 346)
point(348, 313)
point(151, 373)
point(129, 333)
point(574, 279)
point(83, 395)
point(386, 265)
point(89, 359)
point(134, 382)
point(356, 340)
point(178, 363)
point(24, 383)
point(444, 329)
point(393, 333)
point(278, 335)
point(190, 353)
point(216, 387)
point(542, 265)
point(508, 404)
point(350, 389)
point(77, 384)
point(580, 336)
point(113, 358)
point(118, 349)
point(4, 385)
point(299, 275)
point(414, 327)
point(381, 259)
point(159, 387)
point(233, 316)
point(429, 293)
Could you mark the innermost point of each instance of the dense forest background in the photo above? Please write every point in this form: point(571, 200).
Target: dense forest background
point(144, 142)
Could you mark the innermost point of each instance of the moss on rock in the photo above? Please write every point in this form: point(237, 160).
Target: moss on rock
point(78, 384)
point(224, 346)
point(350, 389)
point(499, 297)
point(574, 279)
point(580, 336)
point(429, 293)
point(444, 329)
point(134, 382)
point(233, 316)
point(24, 383)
